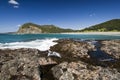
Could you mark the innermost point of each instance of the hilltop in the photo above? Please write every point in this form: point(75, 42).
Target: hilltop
point(31, 28)
point(111, 25)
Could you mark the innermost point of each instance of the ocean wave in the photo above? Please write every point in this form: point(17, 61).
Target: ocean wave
point(41, 44)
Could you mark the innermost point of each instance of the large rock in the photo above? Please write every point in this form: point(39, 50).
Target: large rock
point(82, 71)
point(25, 64)
point(71, 50)
point(111, 47)
point(20, 64)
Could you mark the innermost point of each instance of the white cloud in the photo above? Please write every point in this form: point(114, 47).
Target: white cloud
point(13, 2)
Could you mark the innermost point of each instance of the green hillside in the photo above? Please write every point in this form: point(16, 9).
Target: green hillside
point(34, 28)
point(112, 25)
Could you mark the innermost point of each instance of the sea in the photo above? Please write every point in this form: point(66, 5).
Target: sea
point(44, 41)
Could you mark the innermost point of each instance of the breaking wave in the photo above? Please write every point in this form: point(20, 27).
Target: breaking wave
point(41, 44)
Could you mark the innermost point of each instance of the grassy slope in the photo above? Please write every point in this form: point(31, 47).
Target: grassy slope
point(112, 25)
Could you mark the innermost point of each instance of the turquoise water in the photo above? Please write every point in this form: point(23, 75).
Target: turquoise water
point(7, 38)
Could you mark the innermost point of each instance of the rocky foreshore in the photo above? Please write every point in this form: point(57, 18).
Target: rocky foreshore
point(74, 64)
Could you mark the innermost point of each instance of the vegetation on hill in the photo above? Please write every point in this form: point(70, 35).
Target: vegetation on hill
point(43, 28)
point(31, 28)
point(112, 25)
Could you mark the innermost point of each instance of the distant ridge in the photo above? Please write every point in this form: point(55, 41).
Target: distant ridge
point(111, 25)
point(31, 28)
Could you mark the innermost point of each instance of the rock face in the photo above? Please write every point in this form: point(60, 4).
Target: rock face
point(111, 47)
point(29, 30)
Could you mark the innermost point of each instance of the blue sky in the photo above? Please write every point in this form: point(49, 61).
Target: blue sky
point(74, 14)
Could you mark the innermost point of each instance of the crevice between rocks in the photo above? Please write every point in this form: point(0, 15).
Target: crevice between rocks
point(45, 72)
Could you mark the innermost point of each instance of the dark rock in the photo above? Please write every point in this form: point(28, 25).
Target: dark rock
point(71, 50)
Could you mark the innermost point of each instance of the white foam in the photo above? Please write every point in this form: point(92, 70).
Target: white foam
point(42, 45)
point(50, 53)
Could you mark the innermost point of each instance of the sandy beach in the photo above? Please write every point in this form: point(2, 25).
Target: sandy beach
point(96, 33)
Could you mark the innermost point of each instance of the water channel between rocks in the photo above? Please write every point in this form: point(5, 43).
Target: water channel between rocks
point(100, 56)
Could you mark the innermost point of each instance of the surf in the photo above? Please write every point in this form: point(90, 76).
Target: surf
point(40, 44)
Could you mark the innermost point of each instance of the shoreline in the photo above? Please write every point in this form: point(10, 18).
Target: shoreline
point(108, 33)
point(95, 33)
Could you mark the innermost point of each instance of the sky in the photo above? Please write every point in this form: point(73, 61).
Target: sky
point(74, 14)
